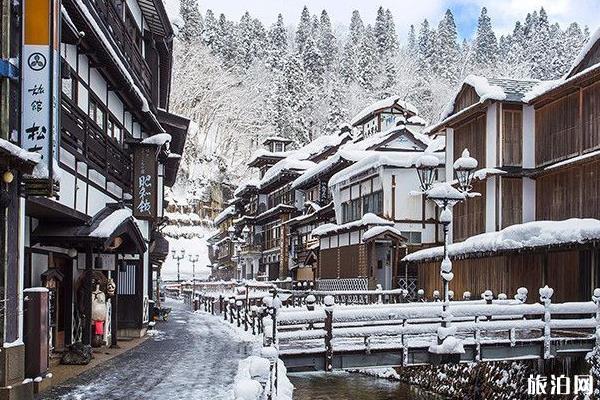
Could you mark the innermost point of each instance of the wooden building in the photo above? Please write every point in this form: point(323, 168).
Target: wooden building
point(544, 136)
point(119, 148)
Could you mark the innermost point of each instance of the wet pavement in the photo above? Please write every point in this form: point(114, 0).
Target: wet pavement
point(191, 356)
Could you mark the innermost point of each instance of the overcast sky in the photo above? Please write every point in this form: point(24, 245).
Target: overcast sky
point(504, 13)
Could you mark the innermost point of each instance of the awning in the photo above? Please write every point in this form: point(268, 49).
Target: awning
point(112, 229)
point(383, 233)
point(15, 157)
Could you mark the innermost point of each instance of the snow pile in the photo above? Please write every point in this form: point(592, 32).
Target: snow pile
point(378, 230)
point(541, 88)
point(108, 225)
point(521, 236)
point(252, 380)
point(379, 159)
point(367, 219)
point(450, 345)
point(383, 104)
point(159, 139)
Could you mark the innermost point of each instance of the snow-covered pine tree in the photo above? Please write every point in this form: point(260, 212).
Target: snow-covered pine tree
point(226, 42)
point(209, 33)
point(294, 100)
point(326, 41)
point(425, 48)
point(313, 62)
point(367, 59)
point(277, 45)
point(446, 49)
point(411, 41)
point(380, 33)
point(516, 51)
point(393, 44)
point(574, 39)
point(192, 21)
point(350, 54)
point(486, 44)
point(541, 49)
point(245, 41)
point(337, 113)
point(304, 29)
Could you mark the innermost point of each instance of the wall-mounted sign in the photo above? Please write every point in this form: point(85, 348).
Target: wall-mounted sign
point(323, 192)
point(145, 182)
point(40, 87)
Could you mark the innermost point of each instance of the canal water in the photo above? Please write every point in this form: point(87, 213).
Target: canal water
point(352, 386)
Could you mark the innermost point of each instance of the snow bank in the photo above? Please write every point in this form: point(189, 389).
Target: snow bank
point(367, 219)
point(110, 223)
point(382, 104)
point(254, 373)
point(520, 236)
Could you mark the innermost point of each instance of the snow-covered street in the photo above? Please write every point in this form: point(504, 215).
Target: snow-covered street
point(191, 356)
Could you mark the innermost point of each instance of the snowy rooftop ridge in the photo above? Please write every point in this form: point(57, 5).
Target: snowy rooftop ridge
point(382, 104)
point(108, 225)
point(19, 152)
point(367, 219)
point(378, 230)
point(250, 183)
point(378, 159)
point(517, 237)
point(323, 166)
point(287, 164)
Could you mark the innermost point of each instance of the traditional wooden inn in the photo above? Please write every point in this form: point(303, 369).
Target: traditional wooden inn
point(536, 223)
point(90, 225)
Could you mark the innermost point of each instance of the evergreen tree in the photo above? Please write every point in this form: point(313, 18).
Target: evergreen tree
point(425, 48)
point(392, 38)
point(574, 39)
point(326, 41)
point(446, 49)
point(192, 21)
point(277, 45)
point(486, 45)
point(541, 50)
point(516, 51)
point(367, 60)
point(412, 40)
point(294, 100)
point(350, 56)
point(337, 113)
point(304, 29)
point(209, 33)
point(314, 65)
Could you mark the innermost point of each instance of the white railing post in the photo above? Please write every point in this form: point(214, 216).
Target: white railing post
point(545, 298)
point(404, 346)
point(596, 299)
point(521, 294)
point(477, 340)
point(329, 303)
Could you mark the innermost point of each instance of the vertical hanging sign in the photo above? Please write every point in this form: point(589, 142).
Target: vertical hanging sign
point(40, 89)
point(145, 182)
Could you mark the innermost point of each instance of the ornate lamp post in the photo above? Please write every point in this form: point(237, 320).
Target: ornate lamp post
point(445, 196)
point(193, 259)
point(178, 258)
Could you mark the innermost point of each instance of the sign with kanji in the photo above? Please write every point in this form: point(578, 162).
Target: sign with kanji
point(40, 89)
point(145, 181)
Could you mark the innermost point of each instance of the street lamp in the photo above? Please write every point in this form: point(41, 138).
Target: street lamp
point(445, 196)
point(193, 259)
point(178, 258)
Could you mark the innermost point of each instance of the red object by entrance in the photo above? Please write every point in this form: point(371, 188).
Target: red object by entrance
point(99, 327)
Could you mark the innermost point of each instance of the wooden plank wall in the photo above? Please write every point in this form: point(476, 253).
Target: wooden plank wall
point(512, 201)
point(567, 272)
point(572, 192)
point(557, 130)
point(467, 97)
point(512, 137)
point(343, 262)
point(469, 216)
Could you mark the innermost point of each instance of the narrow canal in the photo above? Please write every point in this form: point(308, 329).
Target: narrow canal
point(347, 386)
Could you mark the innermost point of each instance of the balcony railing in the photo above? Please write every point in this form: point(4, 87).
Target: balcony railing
point(115, 27)
point(81, 136)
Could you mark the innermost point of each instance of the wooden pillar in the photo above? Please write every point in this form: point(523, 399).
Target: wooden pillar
point(114, 314)
point(86, 323)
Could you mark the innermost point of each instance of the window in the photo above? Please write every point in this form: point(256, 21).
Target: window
point(69, 84)
point(96, 114)
point(412, 237)
point(373, 203)
point(114, 131)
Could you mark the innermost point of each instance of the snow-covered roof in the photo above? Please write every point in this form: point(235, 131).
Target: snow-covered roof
point(517, 237)
point(499, 89)
point(379, 230)
point(19, 152)
point(380, 105)
point(227, 212)
point(287, 164)
point(378, 159)
point(158, 139)
point(276, 139)
point(325, 165)
point(366, 220)
point(108, 225)
point(250, 183)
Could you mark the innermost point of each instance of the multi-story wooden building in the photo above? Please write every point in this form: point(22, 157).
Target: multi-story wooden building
point(118, 146)
point(544, 136)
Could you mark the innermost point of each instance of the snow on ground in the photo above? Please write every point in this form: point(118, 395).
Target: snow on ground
point(194, 245)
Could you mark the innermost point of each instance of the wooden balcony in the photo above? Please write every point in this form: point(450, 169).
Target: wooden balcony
point(84, 139)
point(115, 27)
